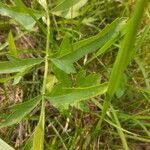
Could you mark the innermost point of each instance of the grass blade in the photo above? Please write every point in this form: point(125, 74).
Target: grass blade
point(123, 56)
point(120, 132)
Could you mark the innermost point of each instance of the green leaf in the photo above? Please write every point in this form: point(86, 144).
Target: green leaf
point(32, 14)
point(65, 46)
point(18, 65)
point(38, 137)
point(82, 106)
point(5, 146)
point(69, 8)
point(43, 3)
point(62, 77)
point(74, 95)
point(17, 77)
point(13, 53)
point(87, 46)
point(50, 81)
point(19, 15)
point(122, 87)
point(84, 81)
point(126, 49)
point(20, 75)
point(119, 31)
point(20, 111)
point(12, 46)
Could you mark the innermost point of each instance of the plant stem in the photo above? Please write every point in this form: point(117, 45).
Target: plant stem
point(42, 115)
point(47, 52)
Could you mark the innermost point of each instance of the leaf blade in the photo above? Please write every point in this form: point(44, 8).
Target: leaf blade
point(12, 46)
point(20, 16)
point(20, 111)
point(76, 95)
point(5, 146)
point(87, 46)
point(38, 137)
point(18, 65)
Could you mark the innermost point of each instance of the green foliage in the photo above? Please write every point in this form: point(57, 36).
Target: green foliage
point(122, 59)
point(38, 137)
point(18, 65)
point(19, 15)
point(4, 145)
point(62, 77)
point(86, 46)
point(125, 52)
point(20, 111)
point(12, 46)
point(66, 36)
point(71, 96)
point(68, 8)
point(84, 81)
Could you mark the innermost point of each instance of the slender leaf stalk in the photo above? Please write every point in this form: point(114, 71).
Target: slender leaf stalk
point(41, 124)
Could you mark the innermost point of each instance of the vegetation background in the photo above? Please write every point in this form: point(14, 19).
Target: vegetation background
point(56, 59)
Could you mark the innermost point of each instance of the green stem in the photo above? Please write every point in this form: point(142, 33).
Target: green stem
point(42, 115)
point(47, 53)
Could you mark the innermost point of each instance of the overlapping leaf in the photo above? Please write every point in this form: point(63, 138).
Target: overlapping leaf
point(71, 96)
point(19, 15)
point(18, 65)
point(87, 46)
point(85, 81)
point(20, 111)
point(68, 8)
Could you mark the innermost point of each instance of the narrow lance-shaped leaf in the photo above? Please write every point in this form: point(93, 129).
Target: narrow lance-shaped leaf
point(16, 77)
point(126, 49)
point(87, 46)
point(38, 137)
point(31, 13)
point(5, 146)
point(19, 15)
point(18, 65)
point(12, 46)
point(20, 111)
point(75, 95)
point(68, 8)
point(119, 32)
